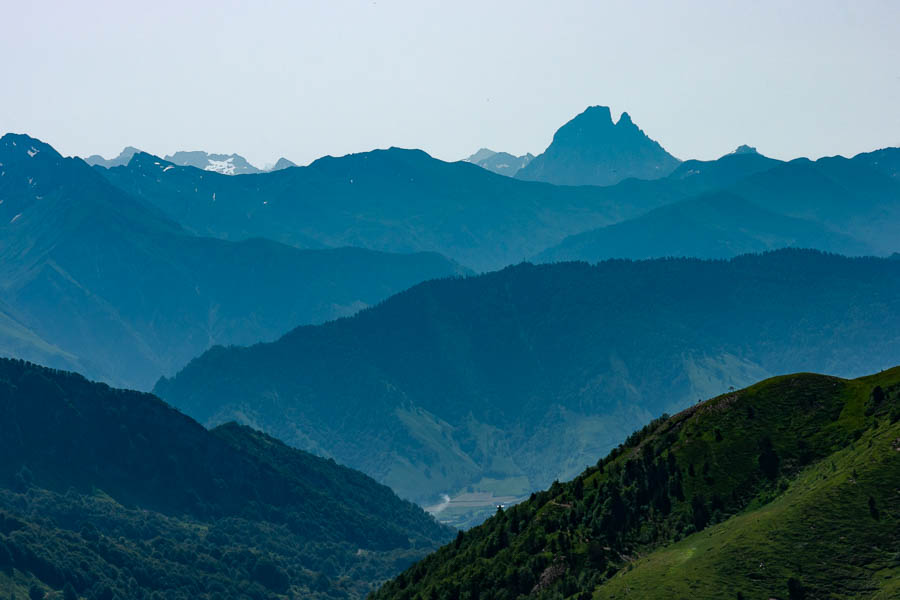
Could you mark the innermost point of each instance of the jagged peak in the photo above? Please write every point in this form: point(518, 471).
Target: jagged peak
point(745, 149)
point(625, 121)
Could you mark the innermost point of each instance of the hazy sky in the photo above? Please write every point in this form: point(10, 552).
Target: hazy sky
point(304, 79)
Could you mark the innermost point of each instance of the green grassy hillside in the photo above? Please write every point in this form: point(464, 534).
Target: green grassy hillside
point(787, 489)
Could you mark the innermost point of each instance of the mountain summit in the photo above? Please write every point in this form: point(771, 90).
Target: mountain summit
point(226, 164)
point(593, 150)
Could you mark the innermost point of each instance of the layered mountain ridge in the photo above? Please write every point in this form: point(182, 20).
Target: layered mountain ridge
point(501, 383)
point(95, 280)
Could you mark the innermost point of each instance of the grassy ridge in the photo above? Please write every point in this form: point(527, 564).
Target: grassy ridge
point(794, 479)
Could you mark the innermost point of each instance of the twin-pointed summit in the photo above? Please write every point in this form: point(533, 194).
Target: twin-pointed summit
point(593, 150)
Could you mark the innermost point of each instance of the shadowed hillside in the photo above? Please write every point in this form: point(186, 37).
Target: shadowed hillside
point(504, 382)
point(106, 489)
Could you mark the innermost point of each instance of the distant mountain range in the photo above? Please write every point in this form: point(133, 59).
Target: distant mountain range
point(848, 206)
point(112, 493)
point(392, 200)
point(714, 225)
point(93, 279)
point(502, 163)
point(786, 489)
point(404, 200)
point(226, 164)
point(504, 382)
point(593, 150)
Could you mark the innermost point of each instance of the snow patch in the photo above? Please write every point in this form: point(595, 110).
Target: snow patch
point(225, 167)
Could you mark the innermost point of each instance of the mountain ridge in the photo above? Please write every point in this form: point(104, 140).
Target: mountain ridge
point(503, 382)
point(112, 281)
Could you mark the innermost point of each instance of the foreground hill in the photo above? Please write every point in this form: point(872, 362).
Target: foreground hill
point(91, 278)
point(787, 489)
point(506, 381)
point(592, 150)
point(116, 494)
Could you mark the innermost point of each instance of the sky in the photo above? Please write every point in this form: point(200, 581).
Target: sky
point(304, 79)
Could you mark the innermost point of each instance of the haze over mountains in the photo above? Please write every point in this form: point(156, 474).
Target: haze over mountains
point(393, 200)
point(404, 200)
point(504, 382)
point(333, 307)
point(94, 280)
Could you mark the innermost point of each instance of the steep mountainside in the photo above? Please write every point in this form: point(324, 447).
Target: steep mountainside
point(502, 163)
point(105, 489)
point(90, 278)
point(504, 382)
point(592, 150)
point(715, 225)
point(787, 489)
point(404, 200)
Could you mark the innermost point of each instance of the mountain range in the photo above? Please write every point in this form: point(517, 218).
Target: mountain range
point(786, 489)
point(112, 493)
point(501, 383)
point(226, 164)
point(92, 279)
point(849, 206)
point(593, 150)
point(403, 200)
point(713, 225)
point(392, 200)
point(502, 163)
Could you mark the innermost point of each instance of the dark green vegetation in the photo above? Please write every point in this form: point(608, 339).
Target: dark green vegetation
point(509, 380)
point(834, 204)
point(787, 489)
point(714, 225)
point(92, 279)
point(592, 150)
point(502, 163)
point(118, 495)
